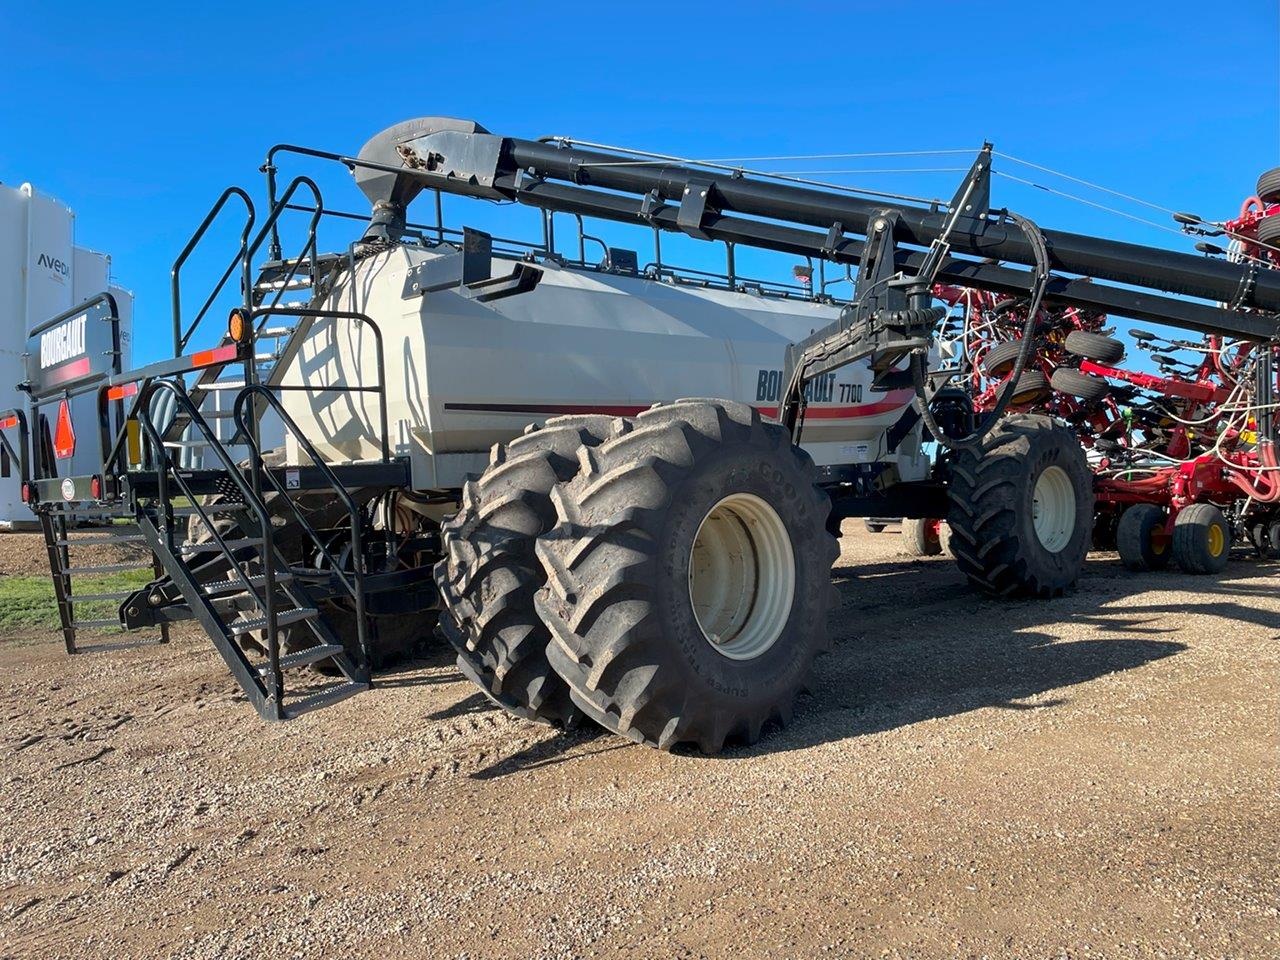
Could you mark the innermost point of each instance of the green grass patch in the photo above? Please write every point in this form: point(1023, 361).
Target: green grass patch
point(27, 602)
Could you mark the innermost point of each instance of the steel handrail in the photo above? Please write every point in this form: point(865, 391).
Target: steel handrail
point(17, 418)
point(181, 338)
point(361, 318)
point(278, 207)
point(356, 588)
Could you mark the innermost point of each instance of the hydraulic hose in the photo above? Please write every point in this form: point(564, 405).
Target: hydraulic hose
point(919, 359)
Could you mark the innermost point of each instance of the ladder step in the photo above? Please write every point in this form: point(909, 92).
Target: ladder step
point(283, 618)
point(104, 538)
point(324, 698)
point(105, 568)
point(311, 655)
point(212, 546)
point(299, 282)
point(91, 513)
point(223, 385)
point(275, 332)
point(105, 622)
point(211, 509)
point(234, 585)
point(90, 597)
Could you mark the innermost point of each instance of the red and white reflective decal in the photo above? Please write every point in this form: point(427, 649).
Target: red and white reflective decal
point(8, 422)
point(207, 358)
point(68, 371)
point(122, 391)
point(893, 400)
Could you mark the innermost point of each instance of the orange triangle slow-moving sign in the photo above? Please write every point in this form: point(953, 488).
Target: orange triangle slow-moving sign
point(64, 436)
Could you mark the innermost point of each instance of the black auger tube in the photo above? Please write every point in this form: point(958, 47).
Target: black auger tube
point(1127, 263)
point(1066, 291)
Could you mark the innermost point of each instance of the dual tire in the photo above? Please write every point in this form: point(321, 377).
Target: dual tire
point(490, 574)
point(668, 575)
point(669, 578)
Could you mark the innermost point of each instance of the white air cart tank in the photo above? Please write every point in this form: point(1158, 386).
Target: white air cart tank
point(463, 375)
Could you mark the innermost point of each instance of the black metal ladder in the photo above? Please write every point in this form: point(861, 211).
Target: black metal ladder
point(106, 525)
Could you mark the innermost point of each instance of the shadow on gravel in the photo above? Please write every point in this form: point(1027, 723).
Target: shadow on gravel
point(431, 653)
point(475, 703)
point(548, 753)
point(912, 642)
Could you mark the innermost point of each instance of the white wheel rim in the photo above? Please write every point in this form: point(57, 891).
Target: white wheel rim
point(1053, 508)
point(742, 576)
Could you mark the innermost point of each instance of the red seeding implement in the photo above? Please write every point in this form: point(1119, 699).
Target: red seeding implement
point(1181, 470)
point(431, 422)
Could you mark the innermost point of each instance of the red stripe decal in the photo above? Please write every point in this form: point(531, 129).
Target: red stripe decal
point(120, 392)
point(8, 422)
point(893, 400)
point(207, 358)
point(548, 409)
point(69, 371)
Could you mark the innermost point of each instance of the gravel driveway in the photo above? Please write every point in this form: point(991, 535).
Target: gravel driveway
point(1092, 776)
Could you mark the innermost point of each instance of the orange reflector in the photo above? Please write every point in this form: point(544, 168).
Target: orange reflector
point(64, 436)
point(8, 422)
point(238, 326)
point(207, 358)
point(122, 391)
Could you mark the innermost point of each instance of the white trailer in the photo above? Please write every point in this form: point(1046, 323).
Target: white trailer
point(42, 273)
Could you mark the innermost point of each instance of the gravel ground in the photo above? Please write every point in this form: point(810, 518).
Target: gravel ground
point(1094, 776)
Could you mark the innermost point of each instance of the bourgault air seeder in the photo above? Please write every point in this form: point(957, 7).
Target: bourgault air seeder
point(490, 430)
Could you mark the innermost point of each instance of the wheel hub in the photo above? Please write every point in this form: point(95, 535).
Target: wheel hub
point(1053, 508)
point(1217, 542)
point(742, 576)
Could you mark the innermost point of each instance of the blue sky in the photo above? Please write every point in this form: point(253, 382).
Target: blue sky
point(138, 115)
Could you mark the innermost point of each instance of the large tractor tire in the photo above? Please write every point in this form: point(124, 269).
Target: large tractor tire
point(489, 574)
point(689, 576)
point(1022, 509)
